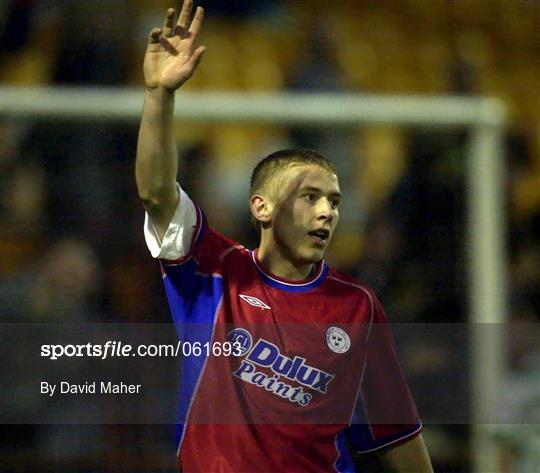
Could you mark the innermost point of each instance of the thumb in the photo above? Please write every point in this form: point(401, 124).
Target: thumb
point(196, 57)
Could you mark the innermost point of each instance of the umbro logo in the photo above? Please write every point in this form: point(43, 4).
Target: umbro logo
point(254, 301)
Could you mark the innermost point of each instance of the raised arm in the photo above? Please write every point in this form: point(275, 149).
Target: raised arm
point(170, 60)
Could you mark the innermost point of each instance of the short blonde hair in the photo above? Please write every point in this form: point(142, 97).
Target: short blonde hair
point(274, 163)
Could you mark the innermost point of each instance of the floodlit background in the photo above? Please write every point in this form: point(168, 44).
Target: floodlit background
point(71, 240)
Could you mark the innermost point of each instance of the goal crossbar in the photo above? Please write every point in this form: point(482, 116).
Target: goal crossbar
point(285, 108)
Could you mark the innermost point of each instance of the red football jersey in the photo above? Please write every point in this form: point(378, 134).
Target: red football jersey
point(312, 370)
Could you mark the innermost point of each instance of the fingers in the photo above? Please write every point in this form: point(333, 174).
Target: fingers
point(169, 29)
point(169, 22)
point(183, 19)
point(197, 21)
point(154, 36)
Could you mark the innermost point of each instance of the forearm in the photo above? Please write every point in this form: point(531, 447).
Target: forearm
point(409, 457)
point(157, 161)
point(169, 62)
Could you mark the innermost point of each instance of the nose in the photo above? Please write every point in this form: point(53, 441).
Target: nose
point(326, 211)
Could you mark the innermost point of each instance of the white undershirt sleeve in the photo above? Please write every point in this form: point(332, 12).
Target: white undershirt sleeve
point(177, 240)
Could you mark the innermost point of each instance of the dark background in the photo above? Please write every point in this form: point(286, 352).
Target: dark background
point(71, 223)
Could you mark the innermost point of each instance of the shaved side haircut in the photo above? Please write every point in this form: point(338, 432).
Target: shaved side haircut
point(268, 168)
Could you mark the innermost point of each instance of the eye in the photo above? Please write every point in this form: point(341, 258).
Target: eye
point(310, 196)
point(334, 203)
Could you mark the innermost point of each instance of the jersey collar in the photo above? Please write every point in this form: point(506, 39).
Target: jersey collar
point(287, 284)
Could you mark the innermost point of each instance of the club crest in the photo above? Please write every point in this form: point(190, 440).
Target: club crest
point(337, 340)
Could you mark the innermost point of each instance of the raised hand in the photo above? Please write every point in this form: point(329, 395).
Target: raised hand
point(171, 57)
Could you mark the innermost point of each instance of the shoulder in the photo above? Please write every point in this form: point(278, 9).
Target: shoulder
point(219, 248)
point(351, 291)
point(351, 297)
point(209, 249)
point(350, 285)
point(213, 240)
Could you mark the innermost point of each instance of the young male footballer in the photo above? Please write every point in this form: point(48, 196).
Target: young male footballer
point(313, 373)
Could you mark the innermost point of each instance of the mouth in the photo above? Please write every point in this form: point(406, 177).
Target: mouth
point(320, 236)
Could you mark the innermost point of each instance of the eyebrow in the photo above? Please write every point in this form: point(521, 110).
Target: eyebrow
point(319, 191)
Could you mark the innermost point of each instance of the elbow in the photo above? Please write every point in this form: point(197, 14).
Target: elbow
point(156, 200)
point(150, 193)
point(155, 192)
point(146, 194)
point(151, 200)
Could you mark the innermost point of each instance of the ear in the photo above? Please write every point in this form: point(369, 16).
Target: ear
point(261, 208)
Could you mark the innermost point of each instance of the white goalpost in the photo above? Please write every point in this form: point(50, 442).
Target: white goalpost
point(484, 117)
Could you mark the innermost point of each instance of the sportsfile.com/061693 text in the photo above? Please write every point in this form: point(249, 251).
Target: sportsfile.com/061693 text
point(118, 349)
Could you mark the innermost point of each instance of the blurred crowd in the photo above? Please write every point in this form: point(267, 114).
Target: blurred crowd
point(71, 223)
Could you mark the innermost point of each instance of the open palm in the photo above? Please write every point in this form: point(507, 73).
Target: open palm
point(171, 57)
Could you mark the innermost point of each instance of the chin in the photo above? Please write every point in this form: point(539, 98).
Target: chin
point(312, 256)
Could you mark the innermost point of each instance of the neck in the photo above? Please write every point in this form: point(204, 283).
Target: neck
point(275, 262)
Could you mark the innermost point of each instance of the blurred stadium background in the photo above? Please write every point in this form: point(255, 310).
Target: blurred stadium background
point(71, 224)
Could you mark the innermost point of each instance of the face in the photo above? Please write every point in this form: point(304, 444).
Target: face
point(305, 213)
